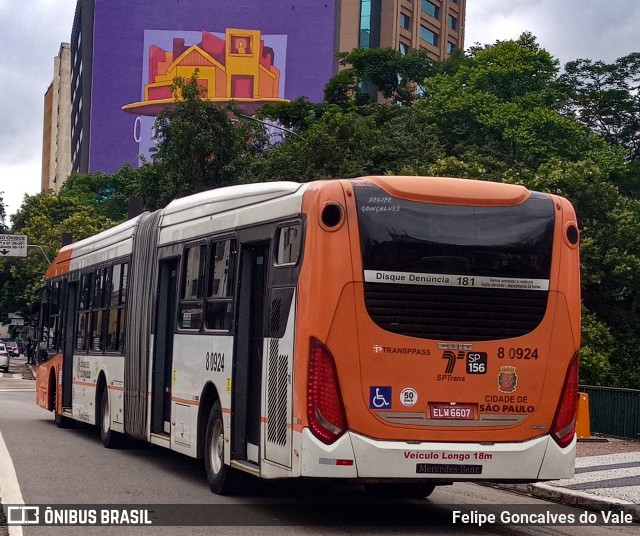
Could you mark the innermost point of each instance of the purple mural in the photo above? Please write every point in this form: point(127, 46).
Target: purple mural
point(250, 51)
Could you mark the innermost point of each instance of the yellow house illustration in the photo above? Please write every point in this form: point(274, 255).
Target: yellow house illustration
point(239, 67)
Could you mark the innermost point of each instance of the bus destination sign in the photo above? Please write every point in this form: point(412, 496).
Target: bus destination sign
point(13, 245)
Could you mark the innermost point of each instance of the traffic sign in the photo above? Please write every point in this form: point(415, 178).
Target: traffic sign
point(13, 245)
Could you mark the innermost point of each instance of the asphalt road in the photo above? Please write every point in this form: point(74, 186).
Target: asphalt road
point(56, 466)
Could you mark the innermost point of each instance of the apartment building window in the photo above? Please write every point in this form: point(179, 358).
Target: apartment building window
point(370, 20)
point(405, 21)
point(429, 36)
point(453, 22)
point(365, 24)
point(450, 47)
point(431, 9)
point(404, 49)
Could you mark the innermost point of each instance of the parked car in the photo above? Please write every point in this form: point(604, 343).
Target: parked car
point(5, 358)
point(13, 349)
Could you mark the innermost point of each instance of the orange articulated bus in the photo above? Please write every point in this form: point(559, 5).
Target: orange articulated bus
point(401, 332)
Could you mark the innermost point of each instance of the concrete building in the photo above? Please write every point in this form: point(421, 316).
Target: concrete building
point(436, 26)
point(56, 142)
point(125, 53)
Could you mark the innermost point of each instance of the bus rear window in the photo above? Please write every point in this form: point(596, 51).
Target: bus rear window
point(397, 235)
point(453, 272)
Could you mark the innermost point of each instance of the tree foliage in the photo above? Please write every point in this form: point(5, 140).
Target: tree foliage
point(347, 143)
point(43, 218)
point(199, 146)
point(107, 194)
point(604, 97)
point(399, 78)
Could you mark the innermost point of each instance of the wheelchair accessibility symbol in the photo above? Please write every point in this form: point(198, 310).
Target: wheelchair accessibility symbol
point(380, 397)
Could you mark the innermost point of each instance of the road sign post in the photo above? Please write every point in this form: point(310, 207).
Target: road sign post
point(13, 245)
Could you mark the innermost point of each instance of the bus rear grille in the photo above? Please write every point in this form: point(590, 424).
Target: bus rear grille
point(454, 314)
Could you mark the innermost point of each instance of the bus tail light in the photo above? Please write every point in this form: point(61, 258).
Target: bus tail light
point(325, 410)
point(564, 423)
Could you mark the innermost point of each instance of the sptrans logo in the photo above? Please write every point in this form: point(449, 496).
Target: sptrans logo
point(476, 362)
point(452, 358)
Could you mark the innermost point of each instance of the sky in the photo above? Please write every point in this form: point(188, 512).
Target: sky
point(31, 32)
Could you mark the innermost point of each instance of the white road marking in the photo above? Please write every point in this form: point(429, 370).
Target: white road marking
point(9, 487)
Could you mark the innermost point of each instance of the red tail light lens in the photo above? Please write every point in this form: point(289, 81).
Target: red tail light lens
point(325, 409)
point(564, 423)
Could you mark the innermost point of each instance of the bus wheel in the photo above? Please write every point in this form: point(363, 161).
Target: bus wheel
point(219, 475)
point(110, 439)
point(60, 420)
point(405, 491)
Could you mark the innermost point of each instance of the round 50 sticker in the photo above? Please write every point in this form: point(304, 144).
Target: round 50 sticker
point(408, 397)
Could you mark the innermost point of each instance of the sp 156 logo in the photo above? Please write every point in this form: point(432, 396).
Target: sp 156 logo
point(476, 361)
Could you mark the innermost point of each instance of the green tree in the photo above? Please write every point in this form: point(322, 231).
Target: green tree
point(610, 258)
point(399, 78)
point(200, 146)
point(43, 218)
point(604, 97)
point(598, 347)
point(502, 103)
point(297, 114)
point(514, 71)
point(108, 194)
point(375, 139)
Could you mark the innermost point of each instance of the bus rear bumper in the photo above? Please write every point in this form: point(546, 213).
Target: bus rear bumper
point(357, 456)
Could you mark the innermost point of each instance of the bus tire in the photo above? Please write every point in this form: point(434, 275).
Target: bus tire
point(110, 439)
point(417, 490)
point(219, 475)
point(60, 420)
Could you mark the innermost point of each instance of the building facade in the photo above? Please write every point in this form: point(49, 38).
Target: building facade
point(56, 142)
point(126, 53)
point(436, 26)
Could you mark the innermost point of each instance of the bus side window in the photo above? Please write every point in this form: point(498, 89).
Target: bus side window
point(116, 302)
point(221, 275)
point(43, 337)
point(98, 306)
point(83, 333)
point(53, 342)
point(192, 287)
point(289, 242)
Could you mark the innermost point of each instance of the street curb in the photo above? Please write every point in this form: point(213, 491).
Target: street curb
point(32, 370)
point(573, 498)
